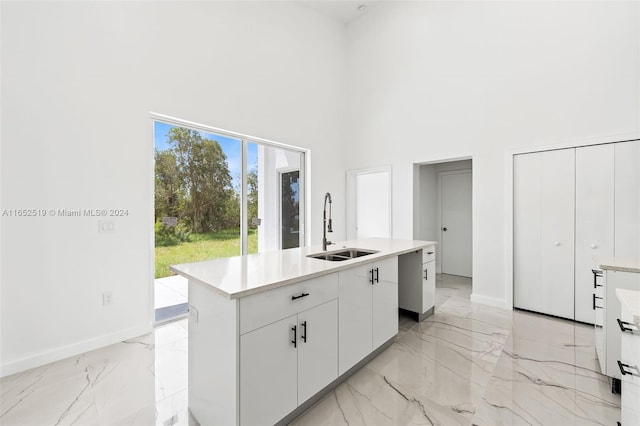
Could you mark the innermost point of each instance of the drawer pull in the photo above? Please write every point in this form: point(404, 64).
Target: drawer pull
point(622, 366)
point(304, 330)
point(594, 302)
point(623, 324)
point(596, 274)
point(299, 297)
point(429, 252)
point(295, 335)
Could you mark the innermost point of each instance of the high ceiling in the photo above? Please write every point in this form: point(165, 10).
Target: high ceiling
point(345, 11)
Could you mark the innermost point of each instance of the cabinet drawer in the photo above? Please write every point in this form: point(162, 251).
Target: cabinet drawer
point(630, 356)
point(428, 254)
point(264, 308)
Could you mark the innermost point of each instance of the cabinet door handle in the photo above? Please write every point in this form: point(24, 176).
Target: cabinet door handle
point(622, 367)
point(304, 330)
point(594, 302)
point(300, 296)
point(377, 275)
point(295, 336)
point(426, 274)
point(596, 274)
point(623, 324)
point(371, 276)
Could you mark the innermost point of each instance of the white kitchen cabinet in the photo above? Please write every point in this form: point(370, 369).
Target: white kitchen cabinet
point(610, 334)
point(285, 363)
point(417, 282)
point(268, 373)
point(317, 349)
point(428, 279)
point(627, 199)
point(630, 357)
point(594, 214)
point(368, 309)
point(544, 185)
point(385, 301)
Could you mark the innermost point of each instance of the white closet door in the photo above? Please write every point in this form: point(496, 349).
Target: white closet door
point(627, 199)
point(557, 203)
point(594, 221)
point(526, 232)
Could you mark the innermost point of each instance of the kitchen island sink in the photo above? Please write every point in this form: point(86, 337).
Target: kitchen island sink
point(343, 254)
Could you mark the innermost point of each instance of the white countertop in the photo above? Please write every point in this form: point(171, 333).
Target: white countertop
point(630, 299)
point(241, 276)
point(618, 264)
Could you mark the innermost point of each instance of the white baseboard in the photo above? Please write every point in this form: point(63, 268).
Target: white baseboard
point(491, 301)
point(72, 350)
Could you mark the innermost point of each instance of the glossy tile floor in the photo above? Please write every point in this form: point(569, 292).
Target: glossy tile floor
point(467, 364)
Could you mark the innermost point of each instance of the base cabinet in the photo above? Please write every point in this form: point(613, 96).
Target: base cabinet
point(417, 281)
point(268, 373)
point(609, 334)
point(368, 309)
point(285, 363)
point(630, 363)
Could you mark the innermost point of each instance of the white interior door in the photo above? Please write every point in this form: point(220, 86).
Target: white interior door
point(594, 221)
point(557, 204)
point(373, 204)
point(456, 231)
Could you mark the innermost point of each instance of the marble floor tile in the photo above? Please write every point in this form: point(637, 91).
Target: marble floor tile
point(466, 364)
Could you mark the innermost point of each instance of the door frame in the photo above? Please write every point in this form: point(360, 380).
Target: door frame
point(439, 212)
point(279, 173)
point(351, 198)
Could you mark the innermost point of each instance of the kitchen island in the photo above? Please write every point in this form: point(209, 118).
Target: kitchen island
point(271, 333)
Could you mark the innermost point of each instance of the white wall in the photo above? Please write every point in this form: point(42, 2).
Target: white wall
point(78, 82)
point(437, 80)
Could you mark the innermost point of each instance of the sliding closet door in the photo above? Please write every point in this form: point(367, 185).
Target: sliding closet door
point(594, 220)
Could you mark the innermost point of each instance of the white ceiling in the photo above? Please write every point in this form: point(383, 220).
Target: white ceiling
point(345, 11)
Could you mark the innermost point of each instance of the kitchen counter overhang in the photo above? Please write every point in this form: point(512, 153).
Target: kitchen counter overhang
point(240, 276)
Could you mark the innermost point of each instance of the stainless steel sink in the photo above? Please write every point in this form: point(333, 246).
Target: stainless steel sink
point(343, 254)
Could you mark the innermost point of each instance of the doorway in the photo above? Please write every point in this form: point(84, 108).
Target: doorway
point(369, 203)
point(443, 199)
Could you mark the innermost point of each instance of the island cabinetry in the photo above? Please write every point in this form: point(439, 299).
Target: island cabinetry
point(428, 280)
point(368, 309)
point(629, 362)
point(288, 347)
point(285, 363)
point(417, 282)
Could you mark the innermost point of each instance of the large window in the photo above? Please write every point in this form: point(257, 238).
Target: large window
point(220, 194)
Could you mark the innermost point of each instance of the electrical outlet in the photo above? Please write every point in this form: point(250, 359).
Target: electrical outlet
point(106, 226)
point(107, 298)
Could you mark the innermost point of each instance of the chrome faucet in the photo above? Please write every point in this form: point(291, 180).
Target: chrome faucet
point(326, 228)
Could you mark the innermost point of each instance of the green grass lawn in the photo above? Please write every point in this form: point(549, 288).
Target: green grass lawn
point(210, 245)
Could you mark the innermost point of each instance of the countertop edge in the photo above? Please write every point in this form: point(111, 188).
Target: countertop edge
point(625, 296)
point(618, 264)
point(331, 268)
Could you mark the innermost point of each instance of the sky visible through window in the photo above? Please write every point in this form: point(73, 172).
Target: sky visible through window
point(230, 146)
